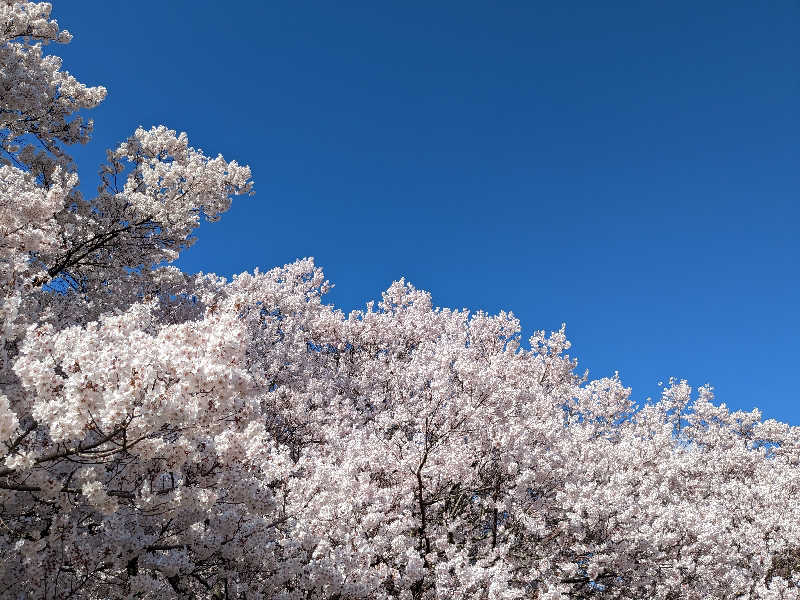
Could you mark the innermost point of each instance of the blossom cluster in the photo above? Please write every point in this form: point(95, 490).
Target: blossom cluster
point(167, 435)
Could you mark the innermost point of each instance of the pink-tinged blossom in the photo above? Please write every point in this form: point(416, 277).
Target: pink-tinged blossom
point(171, 436)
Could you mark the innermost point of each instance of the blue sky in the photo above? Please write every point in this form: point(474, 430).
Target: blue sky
point(627, 168)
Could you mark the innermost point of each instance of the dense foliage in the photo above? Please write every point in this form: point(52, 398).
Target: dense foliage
point(168, 435)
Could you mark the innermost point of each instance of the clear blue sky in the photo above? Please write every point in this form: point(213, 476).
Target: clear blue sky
point(630, 168)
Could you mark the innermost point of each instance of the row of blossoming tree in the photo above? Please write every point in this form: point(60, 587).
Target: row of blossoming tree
point(167, 435)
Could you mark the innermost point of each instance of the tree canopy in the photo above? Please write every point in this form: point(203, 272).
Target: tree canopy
point(168, 435)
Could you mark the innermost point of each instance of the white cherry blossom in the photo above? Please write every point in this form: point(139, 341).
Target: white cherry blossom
point(167, 435)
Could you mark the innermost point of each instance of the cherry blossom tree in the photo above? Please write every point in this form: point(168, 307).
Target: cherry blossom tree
point(167, 435)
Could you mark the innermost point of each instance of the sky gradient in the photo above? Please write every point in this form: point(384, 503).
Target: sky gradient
point(629, 169)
